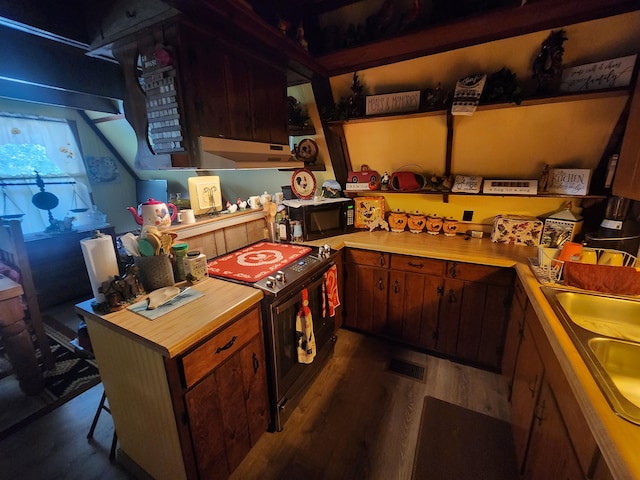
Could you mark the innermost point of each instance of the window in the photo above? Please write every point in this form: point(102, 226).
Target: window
point(37, 148)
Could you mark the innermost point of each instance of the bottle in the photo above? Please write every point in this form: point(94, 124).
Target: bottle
point(283, 230)
point(179, 251)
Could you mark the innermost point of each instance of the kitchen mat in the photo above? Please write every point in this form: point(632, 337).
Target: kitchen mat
point(455, 442)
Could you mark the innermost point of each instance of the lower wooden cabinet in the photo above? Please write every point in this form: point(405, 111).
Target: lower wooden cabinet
point(551, 435)
point(513, 337)
point(226, 410)
point(454, 308)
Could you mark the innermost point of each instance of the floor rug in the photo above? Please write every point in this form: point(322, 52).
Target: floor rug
point(457, 443)
point(71, 375)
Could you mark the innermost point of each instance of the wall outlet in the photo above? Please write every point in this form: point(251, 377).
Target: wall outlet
point(467, 216)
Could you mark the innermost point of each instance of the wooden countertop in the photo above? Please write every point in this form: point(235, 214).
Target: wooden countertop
point(176, 331)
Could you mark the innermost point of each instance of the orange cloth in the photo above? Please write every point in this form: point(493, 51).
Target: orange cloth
point(330, 297)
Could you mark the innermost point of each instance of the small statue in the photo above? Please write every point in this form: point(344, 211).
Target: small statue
point(547, 66)
point(544, 179)
point(384, 181)
point(300, 37)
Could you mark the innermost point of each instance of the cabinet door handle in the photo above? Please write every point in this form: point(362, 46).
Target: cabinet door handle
point(256, 364)
point(382, 262)
point(396, 286)
point(453, 269)
point(440, 291)
point(452, 296)
point(380, 284)
point(532, 386)
point(539, 412)
point(416, 265)
point(228, 345)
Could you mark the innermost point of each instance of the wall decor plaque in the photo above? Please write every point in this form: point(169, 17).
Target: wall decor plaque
point(612, 73)
point(393, 103)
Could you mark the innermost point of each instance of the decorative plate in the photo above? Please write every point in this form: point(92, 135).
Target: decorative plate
point(307, 150)
point(303, 183)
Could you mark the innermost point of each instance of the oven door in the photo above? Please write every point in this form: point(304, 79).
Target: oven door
point(290, 378)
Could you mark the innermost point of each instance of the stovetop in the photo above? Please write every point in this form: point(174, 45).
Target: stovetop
point(272, 267)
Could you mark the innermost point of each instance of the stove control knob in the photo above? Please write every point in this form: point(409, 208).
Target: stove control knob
point(280, 276)
point(270, 282)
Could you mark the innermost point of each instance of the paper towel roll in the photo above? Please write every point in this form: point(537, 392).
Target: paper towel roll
point(100, 259)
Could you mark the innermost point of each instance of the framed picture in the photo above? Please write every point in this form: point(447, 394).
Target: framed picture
point(368, 209)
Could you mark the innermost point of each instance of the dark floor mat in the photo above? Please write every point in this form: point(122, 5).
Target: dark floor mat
point(457, 443)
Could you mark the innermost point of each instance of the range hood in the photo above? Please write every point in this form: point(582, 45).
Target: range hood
point(228, 154)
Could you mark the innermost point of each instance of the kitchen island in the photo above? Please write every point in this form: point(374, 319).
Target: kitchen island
point(162, 378)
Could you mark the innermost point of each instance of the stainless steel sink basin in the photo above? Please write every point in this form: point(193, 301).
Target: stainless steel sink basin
point(606, 332)
point(610, 316)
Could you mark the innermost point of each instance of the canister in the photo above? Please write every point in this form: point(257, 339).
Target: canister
point(195, 266)
point(179, 251)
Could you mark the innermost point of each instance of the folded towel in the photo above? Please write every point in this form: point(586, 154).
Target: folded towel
point(330, 297)
point(304, 331)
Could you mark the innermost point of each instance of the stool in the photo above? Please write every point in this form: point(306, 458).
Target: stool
point(114, 440)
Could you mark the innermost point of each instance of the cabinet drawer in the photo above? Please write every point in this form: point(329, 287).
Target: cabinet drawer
point(480, 273)
point(428, 266)
point(367, 257)
point(209, 355)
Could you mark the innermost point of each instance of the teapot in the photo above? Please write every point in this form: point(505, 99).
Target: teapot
point(154, 213)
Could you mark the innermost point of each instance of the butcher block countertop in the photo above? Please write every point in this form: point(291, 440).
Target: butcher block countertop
point(617, 438)
point(174, 332)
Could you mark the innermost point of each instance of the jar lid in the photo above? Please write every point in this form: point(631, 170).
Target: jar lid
point(178, 247)
point(193, 253)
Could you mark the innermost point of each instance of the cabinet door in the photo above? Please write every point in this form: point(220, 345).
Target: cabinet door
point(414, 304)
point(254, 380)
point(512, 340)
point(366, 298)
point(527, 381)
point(550, 453)
point(449, 318)
point(494, 322)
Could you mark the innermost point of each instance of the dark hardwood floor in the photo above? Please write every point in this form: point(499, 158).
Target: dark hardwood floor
point(358, 421)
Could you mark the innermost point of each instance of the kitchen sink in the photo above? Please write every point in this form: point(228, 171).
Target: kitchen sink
point(610, 316)
point(606, 332)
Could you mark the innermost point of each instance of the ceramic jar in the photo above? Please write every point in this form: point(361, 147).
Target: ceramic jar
point(450, 227)
point(397, 221)
point(416, 222)
point(434, 224)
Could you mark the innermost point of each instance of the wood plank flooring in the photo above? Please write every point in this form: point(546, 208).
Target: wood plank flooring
point(358, 421)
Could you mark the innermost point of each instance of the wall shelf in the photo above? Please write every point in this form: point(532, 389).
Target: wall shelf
point(445, 195)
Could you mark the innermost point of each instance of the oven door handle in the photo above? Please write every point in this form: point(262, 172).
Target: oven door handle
point(297, 298)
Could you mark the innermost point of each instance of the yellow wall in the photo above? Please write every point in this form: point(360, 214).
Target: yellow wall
point(514, 142)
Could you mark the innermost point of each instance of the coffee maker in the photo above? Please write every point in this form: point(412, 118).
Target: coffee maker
point(619, 229)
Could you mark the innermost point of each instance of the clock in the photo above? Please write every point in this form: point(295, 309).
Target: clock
point(303, 183)
point(307, 150)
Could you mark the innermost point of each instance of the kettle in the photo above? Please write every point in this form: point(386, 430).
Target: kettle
point(154, 213)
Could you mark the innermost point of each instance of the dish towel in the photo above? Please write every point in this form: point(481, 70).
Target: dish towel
point(304, 331)
point(330, 298)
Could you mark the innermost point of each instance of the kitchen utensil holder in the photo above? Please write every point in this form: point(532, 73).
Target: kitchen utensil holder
point(155, 272)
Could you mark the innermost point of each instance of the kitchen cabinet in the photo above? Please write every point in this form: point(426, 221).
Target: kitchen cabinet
point(527, 381)
point(513, 337)
point(552, 437)
point(227, 409)
point(627, 180)
point(366, 290)
point(454, 308)
point(549, 436)
point(197, 83)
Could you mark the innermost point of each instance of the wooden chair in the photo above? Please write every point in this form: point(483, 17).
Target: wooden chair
point(14, 255)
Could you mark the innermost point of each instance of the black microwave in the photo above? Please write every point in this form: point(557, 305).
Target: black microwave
point(325, 218)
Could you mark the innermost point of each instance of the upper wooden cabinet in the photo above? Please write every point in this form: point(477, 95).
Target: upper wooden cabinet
point(627, 179)
point(196, 84)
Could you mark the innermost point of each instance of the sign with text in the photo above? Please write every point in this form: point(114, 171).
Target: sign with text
point(393, 103)
point(594, 76)
point(569, 181)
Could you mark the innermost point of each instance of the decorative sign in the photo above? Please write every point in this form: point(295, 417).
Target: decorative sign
point(569, 181)
point(393, 103)
point(594, 76)
point(466, 184)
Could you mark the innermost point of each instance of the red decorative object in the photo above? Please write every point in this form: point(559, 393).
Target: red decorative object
point(256, 261)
